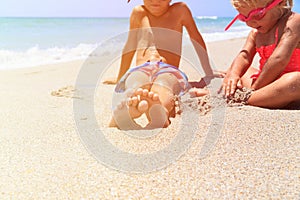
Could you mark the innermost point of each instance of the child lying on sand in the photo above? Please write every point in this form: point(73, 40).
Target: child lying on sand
point(156, 38)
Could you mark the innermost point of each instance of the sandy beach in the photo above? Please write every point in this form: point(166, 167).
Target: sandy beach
point(253, 153)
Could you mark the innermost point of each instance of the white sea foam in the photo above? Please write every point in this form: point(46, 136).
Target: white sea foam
point(29, 42)
point(207, 17)
point(219, 36)
point(36, 56)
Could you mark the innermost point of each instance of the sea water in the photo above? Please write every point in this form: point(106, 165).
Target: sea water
point(27, 42)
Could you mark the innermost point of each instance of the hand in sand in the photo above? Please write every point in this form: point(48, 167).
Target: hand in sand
point(231, 82)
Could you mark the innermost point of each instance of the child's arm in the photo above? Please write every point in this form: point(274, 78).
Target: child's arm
point(240, 65)
point(129, 48)
point(127, 55)
point(279, 59)
point(196, 38)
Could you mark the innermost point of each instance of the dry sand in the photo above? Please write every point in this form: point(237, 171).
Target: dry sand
point(233, 153)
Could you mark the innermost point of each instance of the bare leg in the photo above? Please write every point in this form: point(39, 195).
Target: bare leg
point(246, 79)
point(167, 87)
point(137, 79)
point(278, 94)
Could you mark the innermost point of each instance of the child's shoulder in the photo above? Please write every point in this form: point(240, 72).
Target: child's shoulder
point(294, 21)
point(179, 8)
point(138, 12)
point(139, 9)
point(294, 17)
point(297, 15)
point(179, 5)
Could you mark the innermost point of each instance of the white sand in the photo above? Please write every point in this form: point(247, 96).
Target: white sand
point(256, 152)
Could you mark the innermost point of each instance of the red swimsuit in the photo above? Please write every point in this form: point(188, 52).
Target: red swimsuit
point(266, 51)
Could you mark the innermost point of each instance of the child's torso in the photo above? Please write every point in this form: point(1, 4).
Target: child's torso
point(266, 45)
point(164, 34)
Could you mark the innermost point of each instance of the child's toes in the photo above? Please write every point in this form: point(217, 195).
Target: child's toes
point(138, 91)
point(150, 94)
point(143, 106)
point(155, 97)
point(145, 92)
point(134, 101)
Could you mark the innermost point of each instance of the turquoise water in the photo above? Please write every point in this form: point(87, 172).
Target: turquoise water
point(34, 41)
point(25, 33)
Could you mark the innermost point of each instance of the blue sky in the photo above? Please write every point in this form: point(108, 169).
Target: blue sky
point(105, 8)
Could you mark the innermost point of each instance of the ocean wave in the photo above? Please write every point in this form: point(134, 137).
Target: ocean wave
point(218, 36)
point(236, 32)
point(36, 56)
point(207, 17)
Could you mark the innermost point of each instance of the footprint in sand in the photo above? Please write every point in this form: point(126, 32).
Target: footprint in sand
point(67, 92)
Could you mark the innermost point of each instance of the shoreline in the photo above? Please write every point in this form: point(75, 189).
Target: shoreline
point(43, 155)
point(36, 57)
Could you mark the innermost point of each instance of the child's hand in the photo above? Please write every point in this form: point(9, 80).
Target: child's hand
point(230, 83)
point(110, 81)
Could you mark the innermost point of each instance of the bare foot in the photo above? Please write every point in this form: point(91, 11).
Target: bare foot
point(198, 92)
point(136, 106)
point(128, 110)
point(141, 101)
point(157, 115)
